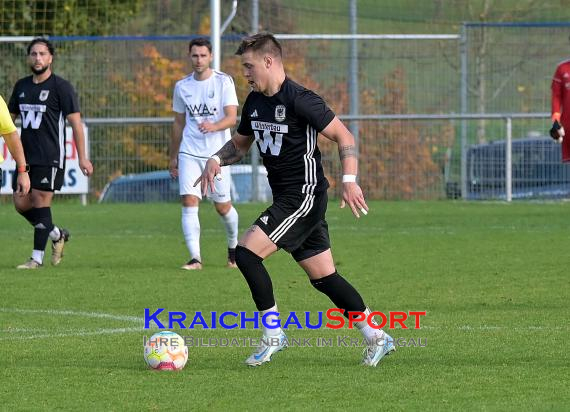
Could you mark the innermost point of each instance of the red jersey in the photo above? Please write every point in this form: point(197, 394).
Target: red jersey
point(561, 103)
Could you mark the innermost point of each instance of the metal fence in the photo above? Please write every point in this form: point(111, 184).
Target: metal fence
point(401, 156)
point(487, 70)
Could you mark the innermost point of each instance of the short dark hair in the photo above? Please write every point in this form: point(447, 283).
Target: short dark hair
point(44, 41)
point(200, 41)
point(263, 42)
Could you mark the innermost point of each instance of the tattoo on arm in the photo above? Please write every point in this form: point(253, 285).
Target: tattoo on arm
point(346, 151)
point(229, 154)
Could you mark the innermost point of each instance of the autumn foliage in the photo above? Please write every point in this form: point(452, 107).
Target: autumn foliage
point(397, 159)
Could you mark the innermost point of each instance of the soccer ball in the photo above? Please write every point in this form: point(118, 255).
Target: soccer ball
point(165, 351)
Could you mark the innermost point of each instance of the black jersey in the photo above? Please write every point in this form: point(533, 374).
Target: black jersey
point(285, 127)
point(43, 108)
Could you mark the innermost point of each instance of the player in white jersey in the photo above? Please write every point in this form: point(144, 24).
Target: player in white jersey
point(205, 108)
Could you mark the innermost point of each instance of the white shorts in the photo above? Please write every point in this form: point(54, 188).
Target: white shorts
point(190, 168)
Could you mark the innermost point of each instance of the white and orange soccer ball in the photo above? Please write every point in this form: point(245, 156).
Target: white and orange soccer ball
point(165, 351)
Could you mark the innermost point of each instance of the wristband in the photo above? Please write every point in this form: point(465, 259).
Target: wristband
point(217, 159)
point(348, 178)
point(23, 168)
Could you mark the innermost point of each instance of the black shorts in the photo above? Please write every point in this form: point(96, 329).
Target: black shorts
point(45, 178)
point(296, 223)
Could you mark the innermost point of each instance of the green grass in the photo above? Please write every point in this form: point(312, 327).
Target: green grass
point(492, 277)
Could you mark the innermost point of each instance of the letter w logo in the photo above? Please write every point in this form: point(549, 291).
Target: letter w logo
point(31, 118)
point(274, 145)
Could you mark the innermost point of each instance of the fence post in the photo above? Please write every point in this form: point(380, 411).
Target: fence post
point(463, 102)
point(508, 161)
point(353, 91)
point(254, 152)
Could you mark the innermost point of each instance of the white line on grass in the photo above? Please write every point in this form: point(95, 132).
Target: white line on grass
point(75, 313)
point(73, 333)
point(491, 327)
point(44, 334)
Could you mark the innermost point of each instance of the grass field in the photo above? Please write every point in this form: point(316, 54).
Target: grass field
point(492, 277)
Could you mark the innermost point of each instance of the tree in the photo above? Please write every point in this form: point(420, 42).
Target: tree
point(64, 17)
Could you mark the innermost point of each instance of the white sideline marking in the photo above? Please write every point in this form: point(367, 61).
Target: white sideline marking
point(20, 330)
point(44, 334)
point(490, 327)
point(75, 313)
point(70, 334)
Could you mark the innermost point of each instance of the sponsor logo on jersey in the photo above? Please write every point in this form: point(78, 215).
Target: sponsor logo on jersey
point(44, 95)
point(199, 110)
point(271, 127)
point(254, 114)
point(280, 113)
point(211, 94)
point(22, 95)
point(33, 108)
point(32, 115)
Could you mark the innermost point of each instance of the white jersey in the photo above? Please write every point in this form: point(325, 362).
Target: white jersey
point(203, 100)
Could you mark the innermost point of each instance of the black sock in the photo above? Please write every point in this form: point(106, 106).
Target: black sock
point(31, 215)
point(43, 226)
point(342, 293)
point(231, 254)
point(251, 266)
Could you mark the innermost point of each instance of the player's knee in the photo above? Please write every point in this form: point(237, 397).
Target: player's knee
point(246, 259)
point(324, 282)
point(21, 210)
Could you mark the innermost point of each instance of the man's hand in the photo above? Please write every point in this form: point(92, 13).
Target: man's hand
point(86, 167)
point(557, 131)
point(207, 127)
point(211, 170)
point(173, 168)
point(353, 196)
point(23, 184)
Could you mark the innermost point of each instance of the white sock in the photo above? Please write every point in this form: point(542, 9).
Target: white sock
point(271, 320)
point(38, 256)
point(191, 230)
point(55, 234)
point(230, 221)
point(370, 334)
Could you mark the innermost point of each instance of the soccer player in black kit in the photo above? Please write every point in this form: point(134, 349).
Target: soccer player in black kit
point(284, 118)
point(44, 101)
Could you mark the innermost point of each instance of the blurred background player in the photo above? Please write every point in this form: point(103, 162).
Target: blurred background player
point(284, 118)
point(560, 107)
point(44, 101)
point(205, 108)
point(10, 134)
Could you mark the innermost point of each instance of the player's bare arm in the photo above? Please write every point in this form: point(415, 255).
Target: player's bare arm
point(232, 152)
point(229, 120)
point(74, 120)
point(351, 191)
point(176, 138)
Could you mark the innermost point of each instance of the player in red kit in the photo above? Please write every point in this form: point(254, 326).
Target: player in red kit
point(561, 107)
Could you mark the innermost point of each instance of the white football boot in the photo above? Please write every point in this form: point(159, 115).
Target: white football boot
point(267, 347)
point(375, 351)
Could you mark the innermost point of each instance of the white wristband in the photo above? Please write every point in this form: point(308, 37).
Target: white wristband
point(216, 158)
point(348, 178)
